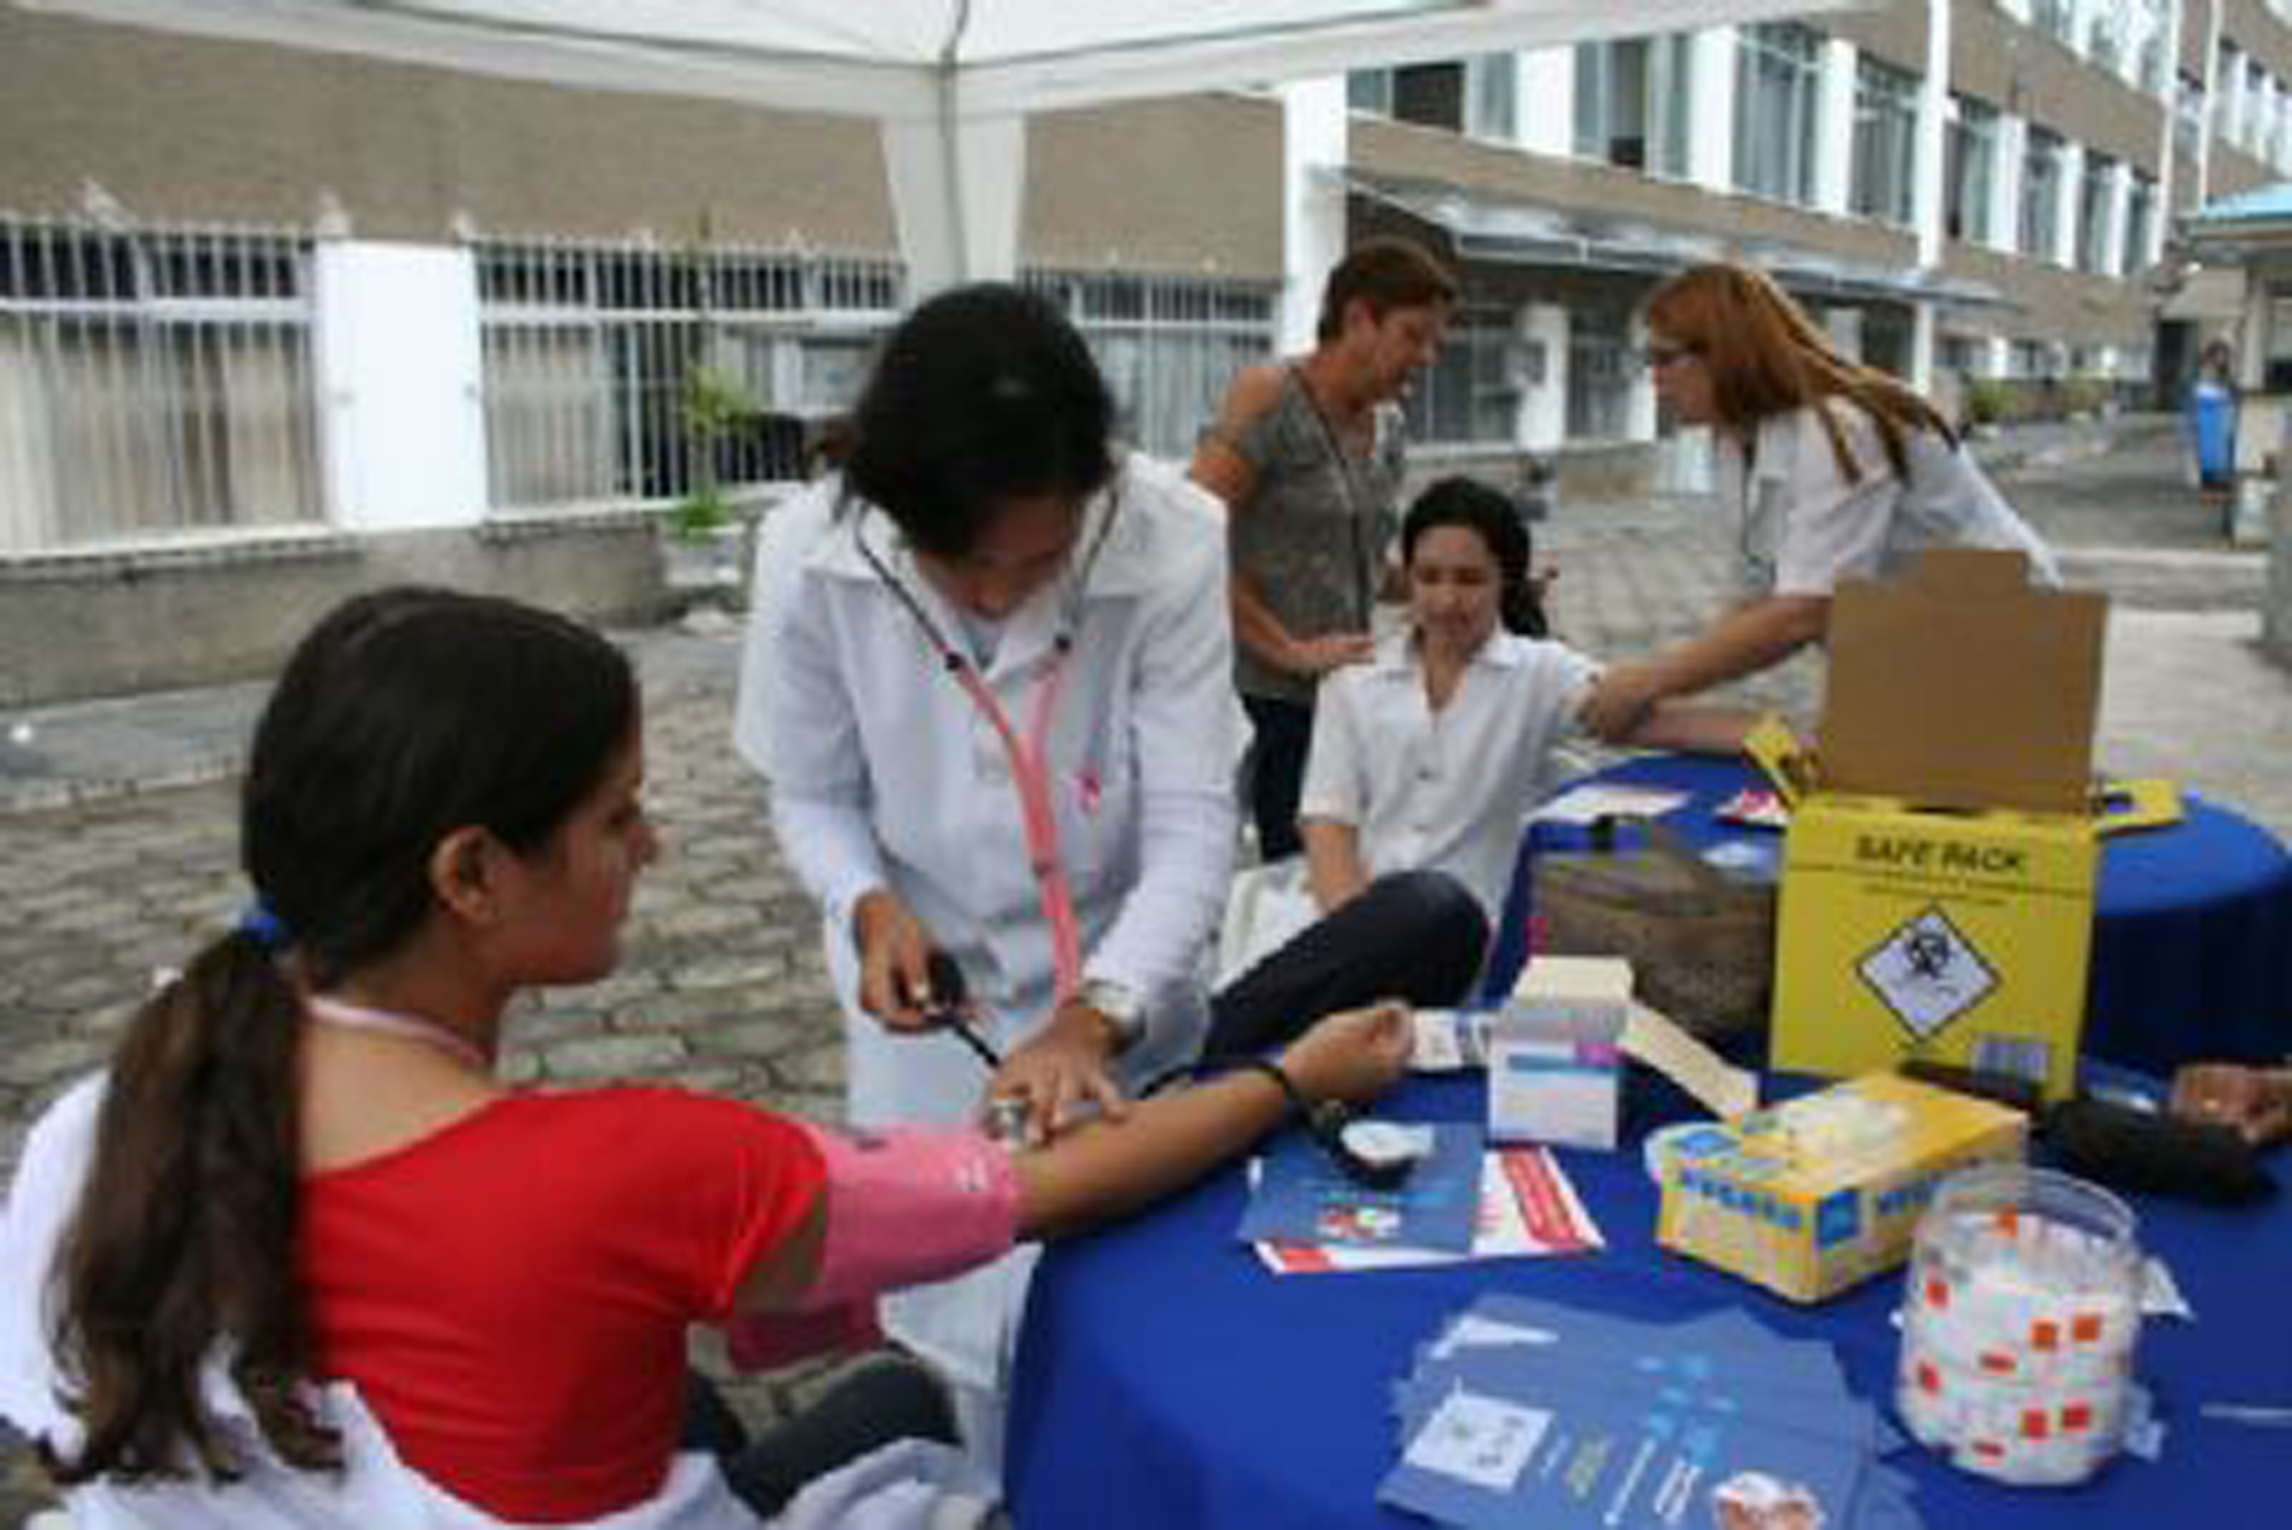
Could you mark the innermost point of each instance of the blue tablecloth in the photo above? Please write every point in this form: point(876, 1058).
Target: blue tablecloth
point(2192, 935)
point(1165, 1379)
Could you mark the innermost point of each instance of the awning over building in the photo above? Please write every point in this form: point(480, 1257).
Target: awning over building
point(1490, 226)
point(2237, 228)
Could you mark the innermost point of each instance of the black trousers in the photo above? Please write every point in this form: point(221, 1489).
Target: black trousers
point(1281, 734)
point(1413, 935)
point(885, 1397)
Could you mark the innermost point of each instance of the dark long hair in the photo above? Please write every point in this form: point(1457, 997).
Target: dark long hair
point(982, 395)
point(404, 715)
point(1473, 505)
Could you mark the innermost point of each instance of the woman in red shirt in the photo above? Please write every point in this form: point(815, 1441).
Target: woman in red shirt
point(300, 1169)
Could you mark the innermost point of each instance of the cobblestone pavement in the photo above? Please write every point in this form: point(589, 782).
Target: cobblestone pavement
point(116, 818)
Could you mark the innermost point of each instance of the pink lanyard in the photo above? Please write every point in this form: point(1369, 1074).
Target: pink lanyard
point(328, 1010)
point(1029, 758)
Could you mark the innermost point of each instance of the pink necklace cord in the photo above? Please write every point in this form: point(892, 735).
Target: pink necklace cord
point(328, 1010)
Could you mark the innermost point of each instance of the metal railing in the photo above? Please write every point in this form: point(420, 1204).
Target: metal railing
point(1169, 345)
point(593, 354)
point(155, 383)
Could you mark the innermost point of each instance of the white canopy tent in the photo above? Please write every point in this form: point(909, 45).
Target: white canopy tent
point(950, 81)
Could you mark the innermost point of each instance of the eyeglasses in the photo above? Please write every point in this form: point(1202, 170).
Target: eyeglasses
point(1657, 357)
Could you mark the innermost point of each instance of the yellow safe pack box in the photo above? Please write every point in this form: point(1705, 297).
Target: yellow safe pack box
point(1943, 848)
point(1810, 1197)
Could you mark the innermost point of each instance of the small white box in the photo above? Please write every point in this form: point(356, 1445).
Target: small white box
point(1555, 1070)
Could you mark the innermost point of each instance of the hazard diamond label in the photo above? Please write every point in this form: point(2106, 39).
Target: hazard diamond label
point(1927, 973)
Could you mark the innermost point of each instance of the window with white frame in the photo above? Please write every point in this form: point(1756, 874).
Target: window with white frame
point(2057, 19)
point(1477, 96)
point(1970, 178)
point(2188, 118)
point(1370, 90)
point(1885, 140)
point(1167, 344)
point(1634, 100)
point(1495, 97)
point(1600, 373)
point(2140, 221)
point(2041, 192)
point(2155, 52)
point(1471, 392)
point(2105, 36)
point(1778, 70)
point(2095, 195)
point(155, 382)
point(2229, 72)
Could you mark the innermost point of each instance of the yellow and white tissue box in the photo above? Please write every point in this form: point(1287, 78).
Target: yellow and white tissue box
point(1818, 1194)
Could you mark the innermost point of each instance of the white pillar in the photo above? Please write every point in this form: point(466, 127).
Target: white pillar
point(402, 419)
point(1711, 139)
point(1929, 159)
point(1543, 422)
point(956, 189)
point(1834, 124)
point(1314, 134)
point(1995, 357)
point(2005, 185)
point(1547, 115)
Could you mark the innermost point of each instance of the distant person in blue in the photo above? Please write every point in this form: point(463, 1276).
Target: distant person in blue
point(2212, 417)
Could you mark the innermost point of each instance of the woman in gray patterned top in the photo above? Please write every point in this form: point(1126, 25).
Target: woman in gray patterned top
point(1307, 455)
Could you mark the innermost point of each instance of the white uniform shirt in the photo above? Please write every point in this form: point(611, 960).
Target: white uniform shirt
point(1445, 790)
point(1804, 526)
point(883, 773)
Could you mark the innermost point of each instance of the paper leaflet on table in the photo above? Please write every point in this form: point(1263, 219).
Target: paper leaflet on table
point(1593, 801)
point(1300, 1195)
point(1528, 1209)
point(1529, 1412)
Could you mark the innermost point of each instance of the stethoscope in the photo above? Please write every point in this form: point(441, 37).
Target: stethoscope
point(1029, 757)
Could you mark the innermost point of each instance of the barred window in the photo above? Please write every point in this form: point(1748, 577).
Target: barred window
point(1168, 345)
point(595, 357)
point(155, 383)
point(1471, 392)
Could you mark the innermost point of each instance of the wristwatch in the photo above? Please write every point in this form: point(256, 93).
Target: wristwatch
point(1122, 1007)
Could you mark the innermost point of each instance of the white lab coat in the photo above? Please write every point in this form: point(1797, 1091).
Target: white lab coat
point(884, 774)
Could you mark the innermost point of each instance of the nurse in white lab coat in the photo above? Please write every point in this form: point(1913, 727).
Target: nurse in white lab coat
point(1831, 470)
point(985, 542)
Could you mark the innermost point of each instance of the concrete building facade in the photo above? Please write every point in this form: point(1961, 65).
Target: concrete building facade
point(274, 324)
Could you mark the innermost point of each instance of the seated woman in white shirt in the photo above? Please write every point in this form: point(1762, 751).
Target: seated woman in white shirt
point(1432, 754)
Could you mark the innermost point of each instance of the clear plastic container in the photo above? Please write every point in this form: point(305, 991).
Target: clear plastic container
point(2019, 1323)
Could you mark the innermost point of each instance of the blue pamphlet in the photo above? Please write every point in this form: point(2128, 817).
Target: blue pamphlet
point(1303, 1197)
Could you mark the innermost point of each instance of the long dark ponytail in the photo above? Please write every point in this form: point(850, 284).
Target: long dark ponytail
point(405, 714)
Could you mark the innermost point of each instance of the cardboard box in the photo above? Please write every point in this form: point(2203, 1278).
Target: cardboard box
point(1816, 1195)
point(1939, 867)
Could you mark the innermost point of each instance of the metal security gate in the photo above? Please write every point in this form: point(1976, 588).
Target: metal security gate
point(155, 384)
point(600, 359)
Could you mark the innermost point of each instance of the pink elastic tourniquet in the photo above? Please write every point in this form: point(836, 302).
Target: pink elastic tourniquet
point(905, 1205)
